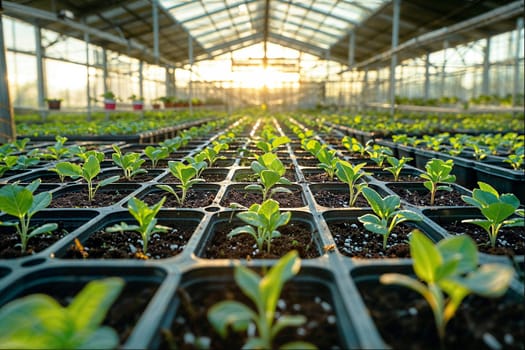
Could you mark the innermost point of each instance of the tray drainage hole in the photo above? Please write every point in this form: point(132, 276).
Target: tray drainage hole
point(212, 209)
point(33, 262)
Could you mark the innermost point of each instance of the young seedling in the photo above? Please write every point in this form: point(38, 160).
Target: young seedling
point(198, 162)
point(264, 293)
point(22, 203)
point(495, 208)
point(155, 154)
point(186, 174)
point(272, 143)
point(387, 214)
point(479, 152)
point(9, 162)
point(353, 145)
point(311, 145)
point(378, 153)
point(516, 159)
point(327, 161)
point(211, 153)
point(174, 143)
point(270, 171)
point(450, 267)
point(59, 150)
point(145, 216)
point(350, 174)
point(263, 221)
point(52, 326)
point(87, 171)
point(130, 162)
point(396, 165)
point(438, 172)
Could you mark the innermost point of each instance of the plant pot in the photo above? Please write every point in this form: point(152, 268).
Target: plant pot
point(199, 196)
point(405, 320)
point(75, 196)
point(503, 180)
point(53, 104)
point(237, 194)
point(334, 195)
point(138, 105)
point(354, 241)
point(110, 104)
point(126, 315)
point(299, 234)
point(416, 194)
point(99, 244)
point(155, 105)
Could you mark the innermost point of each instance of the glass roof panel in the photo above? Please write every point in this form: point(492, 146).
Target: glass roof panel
point(319, 23)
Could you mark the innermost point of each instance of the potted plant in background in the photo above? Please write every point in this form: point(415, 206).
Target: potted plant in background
point(169, 101)
point(53, 103)
point(155, 103)
point(138, 102)
point(110, 100)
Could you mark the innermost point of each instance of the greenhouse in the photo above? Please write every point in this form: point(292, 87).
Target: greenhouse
point(262, 174)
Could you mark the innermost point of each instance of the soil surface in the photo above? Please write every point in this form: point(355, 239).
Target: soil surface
point(510, 240)
point(405, 320)
point(308, 161)
point(294, 236)
point(421, 197)
point(354, 241)
point(128, 245)
point(208, 176)
point(249, 176)
point(194, 199)
point(319, 177)
point(79, 199)
point(247, 198)
point(10, 239)
point(191, 320)
point(387, 177)
point(139, 178)
point(337, 199)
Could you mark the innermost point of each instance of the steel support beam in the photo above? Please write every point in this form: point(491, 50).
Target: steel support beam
point(7, 119)
point(40, 71)
point(485, 86)
point(105, 69)
point(155, 15)
point(393, 59)
point(190, 85)
point(427, 76)
point(88, 83)
point(364, 90)
point(351, 49)
point(444, 67)
point(141, 78)
point(517, 73)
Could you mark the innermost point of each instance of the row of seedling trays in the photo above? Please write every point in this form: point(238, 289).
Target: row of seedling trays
point(262, 233)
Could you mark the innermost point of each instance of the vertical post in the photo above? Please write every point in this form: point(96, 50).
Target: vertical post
point(351, 49)
point(7, 120)
point(155, 15)
point(88, 83)
point(393, 61)
point(427, 76)
point(364, 90)
point(190, 57)
point(444, 67)
point(486, 68)
point(40, 72)
point(105, 70)
point(141, 78)
point(519, 28)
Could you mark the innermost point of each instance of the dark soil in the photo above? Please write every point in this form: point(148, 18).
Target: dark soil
point(128, 245)
point(387, 177)
point(194, 199)
point(247, 198)
point(79, 199)
point(354, 241)
point(510, 240)
point(405, 321)
point(249, 176)
point(308, 161)
point(322, 176)
point(337, 199)
point(10, 239)
point(139, 178)
point(191, 320)
point(207, 176)
point(161, 164)
point(421, 197)
point(294, 236)
point(122, 315)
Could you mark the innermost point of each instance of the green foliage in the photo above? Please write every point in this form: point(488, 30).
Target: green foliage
point(87, 171)
point(156, 153)
point(174, 143)
point(211, 153)
point(39, 322)
point(495, 208)
point(353, 145)
point(350, 174)
point(263, 221)
point(130, 162)
point(270, 141)
point(186, 174)
point(438, 172)
point(264, 293)
point(396, 165)
point(22, 203)
point(198, 162)
point(516, 159)
point(451, 267)
point(327, 161)
point(59, 150)
point(387, 214)
point(270, 171)
point(145, 216)
point(378, 153)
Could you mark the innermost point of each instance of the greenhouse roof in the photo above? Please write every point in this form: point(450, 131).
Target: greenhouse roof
point(214, 27)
